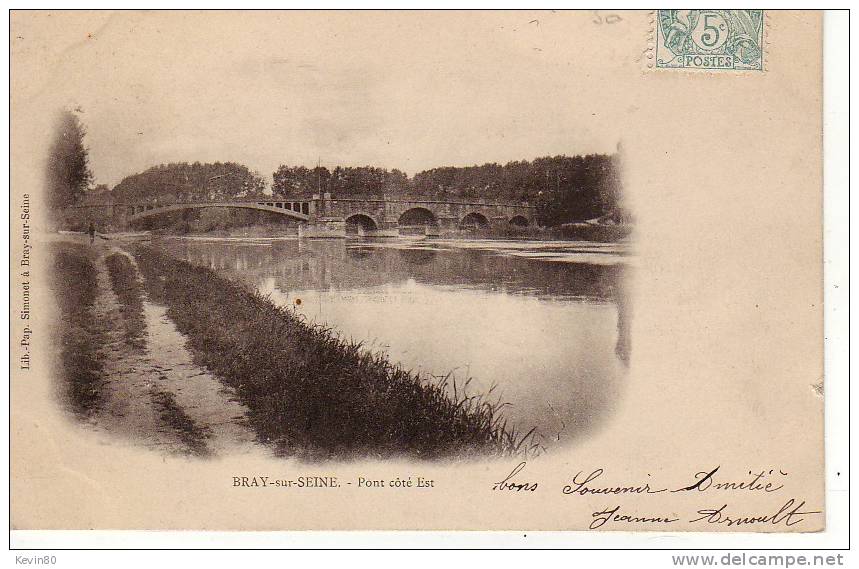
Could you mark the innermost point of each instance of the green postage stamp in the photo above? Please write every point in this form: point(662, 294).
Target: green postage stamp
point(710, 39)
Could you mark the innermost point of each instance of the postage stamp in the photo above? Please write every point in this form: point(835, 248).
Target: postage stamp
point(710, 39)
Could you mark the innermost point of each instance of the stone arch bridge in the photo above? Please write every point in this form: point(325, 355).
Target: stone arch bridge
point(335, 217)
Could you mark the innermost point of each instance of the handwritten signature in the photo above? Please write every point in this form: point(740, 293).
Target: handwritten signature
point(789, 514)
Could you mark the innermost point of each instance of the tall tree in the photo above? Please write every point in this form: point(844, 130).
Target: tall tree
point(68, 163)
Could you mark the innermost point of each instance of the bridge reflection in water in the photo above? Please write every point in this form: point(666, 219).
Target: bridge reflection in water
point(548, 324)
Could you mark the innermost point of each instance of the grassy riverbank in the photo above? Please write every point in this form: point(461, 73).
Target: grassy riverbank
point(309, 392)
point(123, 279)
point(79, 334)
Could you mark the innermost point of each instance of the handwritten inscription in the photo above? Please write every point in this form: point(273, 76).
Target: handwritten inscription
point(510, 484)
point(790, 514)
point(584, 486)
point(600, 19)
point(785, 513)
point(755, 482)
point(613, 515)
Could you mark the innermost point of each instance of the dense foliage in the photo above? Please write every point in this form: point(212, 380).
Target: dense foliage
point(188, 182)
point(342, 181)
point(564, 188)
point(578, 188)
point(68, 173)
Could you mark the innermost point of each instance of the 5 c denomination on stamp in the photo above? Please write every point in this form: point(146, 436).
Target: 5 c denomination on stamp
point(710, 39)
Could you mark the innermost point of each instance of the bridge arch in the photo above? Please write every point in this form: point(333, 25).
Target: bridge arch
point(519, 221)
point(417, 216)
point(282, 208)
point(364, 221)
point(474, 219)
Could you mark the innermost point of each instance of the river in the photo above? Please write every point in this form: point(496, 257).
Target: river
point(545, 323)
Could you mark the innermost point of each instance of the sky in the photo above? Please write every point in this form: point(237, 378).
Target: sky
point(407, 91)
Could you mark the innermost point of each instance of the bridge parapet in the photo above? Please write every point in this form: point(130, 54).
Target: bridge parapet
point(381, 212)
point(301, 210)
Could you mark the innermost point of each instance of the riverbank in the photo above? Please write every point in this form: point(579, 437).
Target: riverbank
point(309, 392)
point(79, 333)
point(122, 367)
point(178, 358)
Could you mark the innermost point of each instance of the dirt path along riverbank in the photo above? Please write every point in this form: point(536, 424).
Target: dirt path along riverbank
point(148, 389)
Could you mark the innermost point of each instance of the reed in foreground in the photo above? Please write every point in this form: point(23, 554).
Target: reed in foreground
point(310, 392)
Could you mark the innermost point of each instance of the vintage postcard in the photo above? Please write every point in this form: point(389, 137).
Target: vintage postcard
point(417, 270)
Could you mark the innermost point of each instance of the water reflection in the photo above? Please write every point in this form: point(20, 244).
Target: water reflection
point(549, 329)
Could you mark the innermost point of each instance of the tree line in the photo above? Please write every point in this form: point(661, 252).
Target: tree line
point(562, 188)
point(183, 182)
